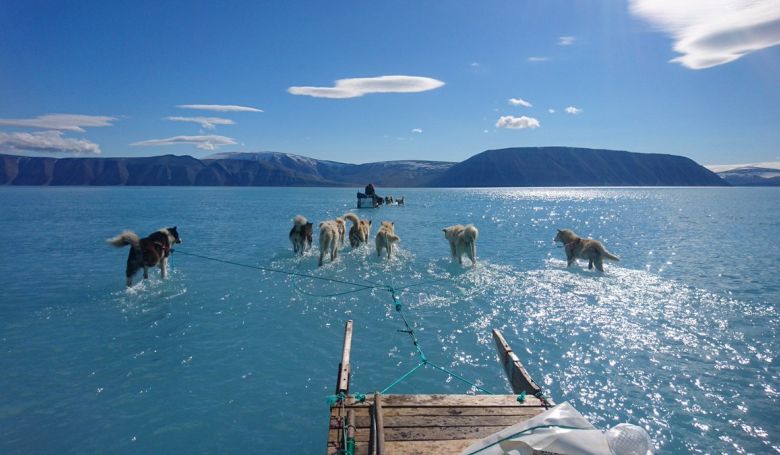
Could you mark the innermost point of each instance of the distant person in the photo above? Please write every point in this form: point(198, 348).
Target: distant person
point(370, 192)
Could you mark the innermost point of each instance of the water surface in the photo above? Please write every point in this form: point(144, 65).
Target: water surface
point(680, 336)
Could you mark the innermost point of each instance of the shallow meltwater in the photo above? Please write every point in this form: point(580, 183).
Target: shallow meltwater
point(240, 355)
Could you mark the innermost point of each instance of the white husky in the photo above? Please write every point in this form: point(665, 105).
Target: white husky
point(463, 239)
point(331, 233)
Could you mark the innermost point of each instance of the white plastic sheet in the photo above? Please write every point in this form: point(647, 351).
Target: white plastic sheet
point(562, 430)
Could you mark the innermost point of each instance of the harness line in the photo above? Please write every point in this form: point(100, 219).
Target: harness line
point(358, 288)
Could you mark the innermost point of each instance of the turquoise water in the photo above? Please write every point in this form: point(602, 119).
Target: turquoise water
point(680, 336)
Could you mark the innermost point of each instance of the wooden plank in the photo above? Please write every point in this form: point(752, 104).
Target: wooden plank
point(464, 411)
point(362, 412)
point(424, 434)
point(428, 447)
point(342, 380)
point(448, 400)
point(445, 421)
point(516, 373)
point(371, 431)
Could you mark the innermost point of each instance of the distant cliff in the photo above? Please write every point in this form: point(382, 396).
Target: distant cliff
point(543, 166)
point(567, 166)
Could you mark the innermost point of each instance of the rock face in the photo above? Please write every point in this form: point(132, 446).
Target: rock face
point(566, 166)
point(544, 166)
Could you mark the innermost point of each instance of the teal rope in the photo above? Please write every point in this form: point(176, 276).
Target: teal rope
point(273, 270)
point(460, 378)
point(358, 288)
point(402, 378)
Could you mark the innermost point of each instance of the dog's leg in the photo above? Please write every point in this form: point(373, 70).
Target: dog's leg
point(452, 250)
point(164, 268)
point(599, 264)
point(590, 264)
point(129, 281)
point(322, 254)
point(471, 254)
point(146, 272)
point(389, 250)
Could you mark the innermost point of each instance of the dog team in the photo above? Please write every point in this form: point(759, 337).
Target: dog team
point(155, 249)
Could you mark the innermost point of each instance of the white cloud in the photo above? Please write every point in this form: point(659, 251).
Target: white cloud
point(511, 122)
point(208, 123)
point(46, 141)
point(566, 40)
point(417, 130)
point(64, 122)
point(712, 32)
point(351, 88)
point(485, 131)
point(474, 64)
point(572, 110)
point(208, 142)
point(219, 107)
point(538, 59)
point(519, 102)
point(551, 111)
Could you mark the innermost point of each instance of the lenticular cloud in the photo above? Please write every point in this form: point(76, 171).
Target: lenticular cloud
point(712, 32)
point(352, 88)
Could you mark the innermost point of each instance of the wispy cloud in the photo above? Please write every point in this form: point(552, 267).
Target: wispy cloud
point(712, 32)
point(566, 40)
point(46, 141)
point(417, 130)
point(207, 142)
point(572, 110)
point(519, 102)
point(63, 122)
point(474, 64)
point(219, 107)
point(535, 59)
point(551, 111)
point(512, 122)
point(208, 123)
point(351, 88)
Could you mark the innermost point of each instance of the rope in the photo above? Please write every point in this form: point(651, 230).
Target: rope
point(358, 288)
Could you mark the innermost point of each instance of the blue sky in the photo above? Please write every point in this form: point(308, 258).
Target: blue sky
point(117, 72)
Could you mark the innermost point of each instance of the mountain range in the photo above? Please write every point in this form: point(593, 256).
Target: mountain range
point(524, 166)
point(756, 174)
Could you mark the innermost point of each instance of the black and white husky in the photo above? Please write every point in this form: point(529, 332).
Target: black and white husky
point(300, 234)
point(148, 251)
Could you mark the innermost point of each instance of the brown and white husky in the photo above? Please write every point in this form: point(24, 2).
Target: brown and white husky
point(579, 248)
point(385, 238)
point(331, 238)
point(359, 231)
point(148, 251)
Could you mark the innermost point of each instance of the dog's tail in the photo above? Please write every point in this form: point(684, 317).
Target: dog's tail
point(352, 217)
point(610, 256)
point(300, 220)
point(470, 232)
point(126, 238)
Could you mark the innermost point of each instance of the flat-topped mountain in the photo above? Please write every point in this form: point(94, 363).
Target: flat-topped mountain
point(527, 166)
point(568, 166)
